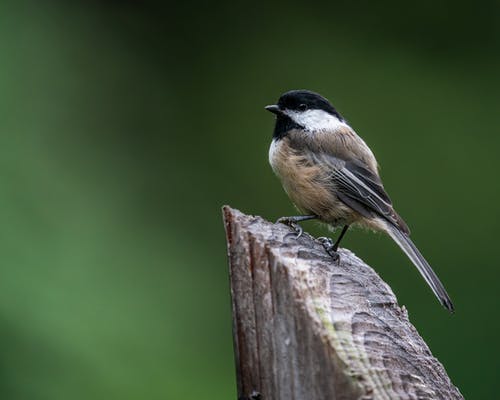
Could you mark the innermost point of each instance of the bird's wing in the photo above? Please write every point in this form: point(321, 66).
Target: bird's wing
point(362, 190)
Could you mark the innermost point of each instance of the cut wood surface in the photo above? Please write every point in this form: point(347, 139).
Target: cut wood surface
point(306, 327)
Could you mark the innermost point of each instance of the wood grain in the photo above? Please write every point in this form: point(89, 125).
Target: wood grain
point(308, 328)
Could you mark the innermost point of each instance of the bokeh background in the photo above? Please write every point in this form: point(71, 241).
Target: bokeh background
point(125, 126)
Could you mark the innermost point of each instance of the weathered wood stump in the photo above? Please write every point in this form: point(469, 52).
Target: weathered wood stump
point(308, 328)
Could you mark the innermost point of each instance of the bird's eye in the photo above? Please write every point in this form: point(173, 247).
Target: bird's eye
point(302, 107)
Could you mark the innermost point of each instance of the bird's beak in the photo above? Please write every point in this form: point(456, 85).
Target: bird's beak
point(275, 109)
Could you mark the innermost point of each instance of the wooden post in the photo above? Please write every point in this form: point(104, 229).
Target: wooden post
point(308, 328)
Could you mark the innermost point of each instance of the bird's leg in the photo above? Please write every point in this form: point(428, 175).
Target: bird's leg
point(292, 222)
point(337, 242)
point(330, 247)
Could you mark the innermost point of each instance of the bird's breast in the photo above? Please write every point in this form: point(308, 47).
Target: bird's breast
point(307, 183)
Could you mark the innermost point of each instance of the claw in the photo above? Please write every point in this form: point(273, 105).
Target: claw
point(292, 223)
point(329, 247)
point(298, 230)
point(327, 243)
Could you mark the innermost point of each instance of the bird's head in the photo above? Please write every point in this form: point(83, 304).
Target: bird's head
point(303, 109)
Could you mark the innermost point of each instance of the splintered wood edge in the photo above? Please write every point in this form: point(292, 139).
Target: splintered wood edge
point(305, 327)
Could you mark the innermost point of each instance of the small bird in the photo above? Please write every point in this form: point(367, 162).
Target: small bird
point(330, 174)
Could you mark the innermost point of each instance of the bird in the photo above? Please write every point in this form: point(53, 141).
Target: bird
point(330, 174)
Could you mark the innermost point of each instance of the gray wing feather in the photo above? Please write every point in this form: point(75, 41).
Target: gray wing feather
point(352, 184)
point(362, 190)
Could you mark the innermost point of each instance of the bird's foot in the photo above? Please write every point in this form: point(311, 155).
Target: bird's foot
point(292, 223)
point(329, 247)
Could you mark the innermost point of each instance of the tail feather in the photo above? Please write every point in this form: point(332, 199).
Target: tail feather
point(422, 265)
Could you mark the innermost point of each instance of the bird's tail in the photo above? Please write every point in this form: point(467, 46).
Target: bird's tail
point(422, 265)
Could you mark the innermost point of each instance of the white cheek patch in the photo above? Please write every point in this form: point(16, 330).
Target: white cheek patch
point(315, 120)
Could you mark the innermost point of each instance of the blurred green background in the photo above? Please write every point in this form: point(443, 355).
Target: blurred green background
point(125, 126)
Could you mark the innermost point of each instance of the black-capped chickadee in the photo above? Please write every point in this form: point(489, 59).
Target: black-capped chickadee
point(330, 174)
